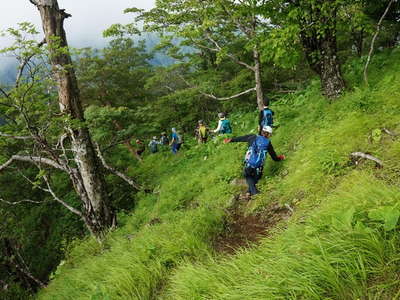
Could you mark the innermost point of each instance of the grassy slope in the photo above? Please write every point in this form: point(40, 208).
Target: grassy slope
point(334, 246)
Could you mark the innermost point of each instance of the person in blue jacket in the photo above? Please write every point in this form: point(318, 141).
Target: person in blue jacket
point(176, 141)
point(259, 145)
point(265, 117)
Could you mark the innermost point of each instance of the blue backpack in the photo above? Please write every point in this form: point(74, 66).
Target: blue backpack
point(267, 118)
point(226, 126)
point(256, 153)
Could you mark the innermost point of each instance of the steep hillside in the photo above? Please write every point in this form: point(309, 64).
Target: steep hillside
point(327, 221)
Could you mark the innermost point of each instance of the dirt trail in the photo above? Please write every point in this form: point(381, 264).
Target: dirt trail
point(245, 231)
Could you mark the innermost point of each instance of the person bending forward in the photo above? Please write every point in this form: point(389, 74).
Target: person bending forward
point(259, 145)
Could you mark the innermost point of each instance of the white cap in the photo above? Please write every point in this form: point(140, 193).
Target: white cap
point(267, 129)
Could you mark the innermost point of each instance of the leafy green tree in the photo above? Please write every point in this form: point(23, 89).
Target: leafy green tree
point(112, 80)
point(316, 23)
point(49, 125)
point(219, 30)
point(358, 20)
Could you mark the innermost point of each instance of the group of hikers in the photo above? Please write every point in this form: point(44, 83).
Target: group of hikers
point(202, 132)
point(258, 144)
point(175, 141)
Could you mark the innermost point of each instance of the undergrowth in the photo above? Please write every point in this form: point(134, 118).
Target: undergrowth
point(341, 243)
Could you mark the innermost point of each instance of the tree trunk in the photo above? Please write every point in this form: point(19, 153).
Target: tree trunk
point(88, 181)
point(318, 37)
point(331, 78)
point(257, 74)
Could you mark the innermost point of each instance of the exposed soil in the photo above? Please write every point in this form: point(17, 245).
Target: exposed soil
point(155, 221)
point(243, 231)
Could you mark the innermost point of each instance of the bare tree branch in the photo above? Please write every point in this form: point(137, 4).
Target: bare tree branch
point(24, 63)
point(50, 190)
point(169, 88)
point(246, 30)
point(205, 47)
point(15, 137)
point(5, 94)
point(22, 201)
point(215, 97)
point(231, 56)
point(15, 258)
point(367, 156)
point(378, 28)
point(27, 270)
point(32, 159)
point(231, 97)
point(115, 171)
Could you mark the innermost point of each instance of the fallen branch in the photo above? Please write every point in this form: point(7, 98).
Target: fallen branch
point(387, 131)
point(368, 156)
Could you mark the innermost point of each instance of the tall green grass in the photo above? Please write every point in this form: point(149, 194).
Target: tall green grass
point(338, 253)
point(340, 243)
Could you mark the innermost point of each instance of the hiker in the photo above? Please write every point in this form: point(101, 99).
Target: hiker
point(259, 145)
point(140, 147)
point(176, 141)
point(164, 138)
point(153, 145)
point(201, 132)
point(224, 125)
point(265, 118)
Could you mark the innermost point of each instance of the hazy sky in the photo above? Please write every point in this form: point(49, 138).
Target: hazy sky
point(84, 28)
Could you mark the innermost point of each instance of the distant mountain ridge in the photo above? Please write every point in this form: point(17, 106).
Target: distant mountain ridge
point(8, 65)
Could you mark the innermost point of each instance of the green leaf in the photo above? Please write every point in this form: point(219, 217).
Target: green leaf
point(376, 135)
point(387, 214)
